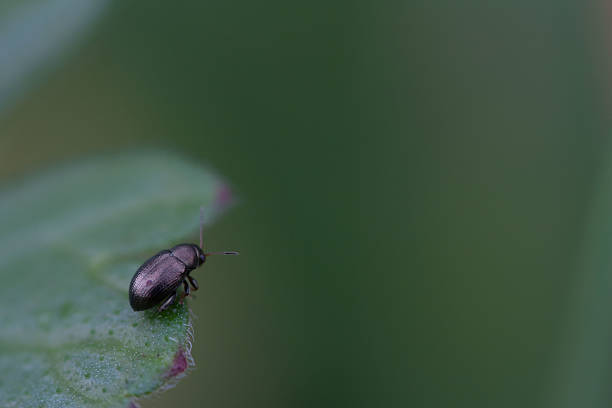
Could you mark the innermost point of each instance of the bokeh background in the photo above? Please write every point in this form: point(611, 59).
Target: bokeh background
point(425, 187)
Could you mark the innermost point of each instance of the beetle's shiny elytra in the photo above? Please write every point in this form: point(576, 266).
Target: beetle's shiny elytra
point(158, 279)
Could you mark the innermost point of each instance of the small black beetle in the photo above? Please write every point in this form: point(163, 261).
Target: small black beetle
point(158, 279)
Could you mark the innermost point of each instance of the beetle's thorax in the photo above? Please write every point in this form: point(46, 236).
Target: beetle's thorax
point(189, 254)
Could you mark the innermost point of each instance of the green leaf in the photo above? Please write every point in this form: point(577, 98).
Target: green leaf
point(70, 241)
point(35, 34)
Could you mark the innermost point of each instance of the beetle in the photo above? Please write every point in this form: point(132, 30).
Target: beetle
point(158, 278)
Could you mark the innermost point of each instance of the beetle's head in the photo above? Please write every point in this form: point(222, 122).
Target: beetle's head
point(201, 255)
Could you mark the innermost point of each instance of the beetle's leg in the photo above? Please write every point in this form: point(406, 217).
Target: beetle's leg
point(167, 302)
point(185, 291)
point(193, 282)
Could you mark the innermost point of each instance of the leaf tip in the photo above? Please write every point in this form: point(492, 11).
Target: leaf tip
point(224, 197)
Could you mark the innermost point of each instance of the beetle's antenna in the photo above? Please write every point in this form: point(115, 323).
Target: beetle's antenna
point(201, 223)
point(223, 253)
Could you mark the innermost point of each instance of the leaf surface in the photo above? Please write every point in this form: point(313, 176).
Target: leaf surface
point(70, 242)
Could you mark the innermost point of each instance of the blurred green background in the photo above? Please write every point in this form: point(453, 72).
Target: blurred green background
point(425, 190)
